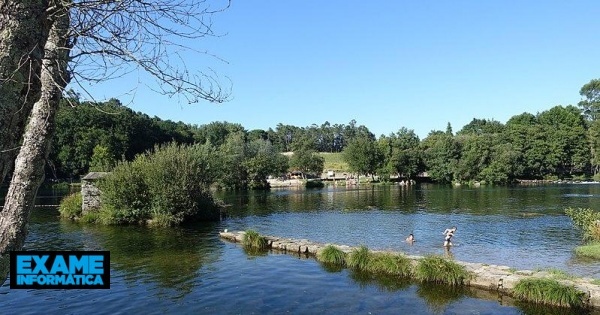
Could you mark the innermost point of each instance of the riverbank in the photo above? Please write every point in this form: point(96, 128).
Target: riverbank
point(501, 279)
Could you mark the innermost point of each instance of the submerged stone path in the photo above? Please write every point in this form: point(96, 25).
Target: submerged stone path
point(485, 276)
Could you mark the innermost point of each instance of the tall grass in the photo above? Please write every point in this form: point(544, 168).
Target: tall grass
point(440, 270)
point(359, 258)
point(549, 292)
point(591, 250)
point(390, 264)
point(332, 255)
point(70, 206)
point(254, 240)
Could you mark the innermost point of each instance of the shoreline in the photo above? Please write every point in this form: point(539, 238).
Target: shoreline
point(494, 278)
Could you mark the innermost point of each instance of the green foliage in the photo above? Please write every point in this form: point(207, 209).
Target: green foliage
point(102, 160)
point(587, 220)
point(263, 160)
point(390, 264)
point(591, 250)
point(70, 206)
point(359, 258)
point(254, 240)
point(332, 255)
point(548, 291)
point(307, 161)
point(591, 102)
point(401, 154)
point(363, 156)
point(440, 270)
point(122, 132)
point(441, 154)
point(166, 187)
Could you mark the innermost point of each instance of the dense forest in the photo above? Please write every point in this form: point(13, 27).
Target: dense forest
point(561, 142)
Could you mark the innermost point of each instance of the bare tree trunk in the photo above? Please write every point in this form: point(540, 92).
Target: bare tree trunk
point(29, 165)
point(23, 34)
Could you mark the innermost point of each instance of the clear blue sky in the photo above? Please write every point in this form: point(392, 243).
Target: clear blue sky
point(388, 64)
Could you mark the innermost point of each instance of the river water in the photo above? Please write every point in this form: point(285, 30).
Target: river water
point(190, 270)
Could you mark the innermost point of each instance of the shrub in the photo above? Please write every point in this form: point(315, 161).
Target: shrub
point(359, 258)
point(254, 240)
point(70, 206)
point(548, 291)
point(332, 255)
point(164, 188)
point(587, 220)
point(440, 270)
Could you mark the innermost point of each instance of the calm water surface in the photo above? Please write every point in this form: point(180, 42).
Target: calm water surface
point(190, 270)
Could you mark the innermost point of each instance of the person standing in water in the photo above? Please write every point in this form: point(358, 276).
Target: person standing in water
point(449, 233)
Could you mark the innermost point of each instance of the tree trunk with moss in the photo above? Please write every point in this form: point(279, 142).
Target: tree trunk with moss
point(29, 165)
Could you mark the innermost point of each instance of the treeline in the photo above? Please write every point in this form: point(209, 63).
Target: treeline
point(562, 142)
point(93, 136)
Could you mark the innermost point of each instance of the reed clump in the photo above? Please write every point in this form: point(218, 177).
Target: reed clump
point(254, 240)
point(390, 264)
point(330, 254)
point(437, 269)
point(591, 250)
point(359, 258)
point(549, 292)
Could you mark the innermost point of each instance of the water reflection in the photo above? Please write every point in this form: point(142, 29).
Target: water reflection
point(383, 282)
point(170, 258)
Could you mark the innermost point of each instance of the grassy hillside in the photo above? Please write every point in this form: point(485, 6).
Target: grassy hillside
point(334, 162)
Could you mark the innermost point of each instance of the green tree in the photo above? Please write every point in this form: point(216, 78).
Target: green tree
point(441, 154)
point(363, 156)
point(102, 160)
point(402, 153)
point(308, 162)
point(590, 105)
point(263, 160)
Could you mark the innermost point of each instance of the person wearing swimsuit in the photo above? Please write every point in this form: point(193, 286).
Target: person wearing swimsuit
point(449, 234)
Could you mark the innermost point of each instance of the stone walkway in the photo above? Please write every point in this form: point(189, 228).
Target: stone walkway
point(489, 277)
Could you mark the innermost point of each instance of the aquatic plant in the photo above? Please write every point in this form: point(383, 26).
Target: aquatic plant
point(391, 264)
point(70, 206)
point(440, 270)
point(330, 254)
point(359, 258)
point(591, 250)
point(548, 291)
point(254, 240)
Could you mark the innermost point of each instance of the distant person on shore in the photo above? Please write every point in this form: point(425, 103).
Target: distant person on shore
point(449, 233)
point(410, 239)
